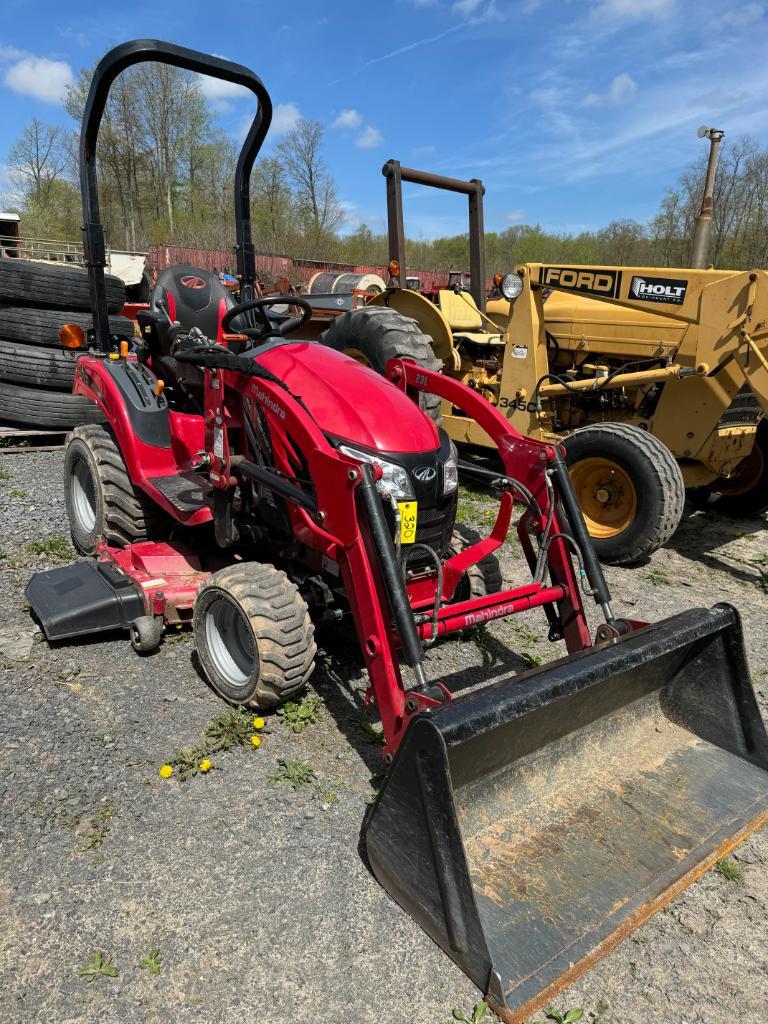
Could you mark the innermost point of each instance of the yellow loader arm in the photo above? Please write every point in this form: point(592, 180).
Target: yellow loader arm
point(726, 310)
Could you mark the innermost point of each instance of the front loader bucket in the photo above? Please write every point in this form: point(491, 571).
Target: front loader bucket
point(530, 826)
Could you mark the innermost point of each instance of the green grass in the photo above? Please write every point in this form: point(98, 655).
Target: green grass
point(4, 475)
point(293, 773)
point(99, 966)
point(657, 578)
point(152, 962)
point(569, 1017)
point(479, 1011)
point(374, 733)
point(100, 828)
point(53, 547)
point(232, 728)
point(18, 494)
point(729, 869)
point(297, 715)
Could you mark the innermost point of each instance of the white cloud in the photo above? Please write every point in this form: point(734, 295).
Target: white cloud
point(738, 18)
point(632, 10)
point(348, 119)
point(515, 217)
point(44, 79)
point(11, 53)
point(369, 138)
point(621, 90)
point(466, 6)
point(284, 118)
point(218, 89)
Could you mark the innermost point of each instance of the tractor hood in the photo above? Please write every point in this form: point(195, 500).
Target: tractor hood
point(350, 401)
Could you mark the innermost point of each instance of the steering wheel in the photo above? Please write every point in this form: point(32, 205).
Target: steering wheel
point(269, 329)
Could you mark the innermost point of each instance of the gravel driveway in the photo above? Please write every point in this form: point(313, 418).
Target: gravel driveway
point(252, 895)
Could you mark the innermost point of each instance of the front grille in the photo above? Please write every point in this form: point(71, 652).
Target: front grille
point(744, 410)
point(434, 527)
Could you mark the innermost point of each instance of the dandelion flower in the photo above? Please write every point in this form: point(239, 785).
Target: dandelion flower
point(205, 765)
point(258, 723)
point(166, 771)
point(256, 740)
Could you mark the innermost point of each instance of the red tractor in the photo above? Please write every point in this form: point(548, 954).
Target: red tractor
point(252, 483)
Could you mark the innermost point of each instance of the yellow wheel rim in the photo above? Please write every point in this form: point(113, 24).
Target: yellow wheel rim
point(356, 354)
point(606, 494)
point(747, 475)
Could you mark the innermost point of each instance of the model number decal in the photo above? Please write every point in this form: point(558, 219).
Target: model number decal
point(595, 281)
point(517, 404)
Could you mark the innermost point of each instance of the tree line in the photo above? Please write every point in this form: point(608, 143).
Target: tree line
point(166, 172)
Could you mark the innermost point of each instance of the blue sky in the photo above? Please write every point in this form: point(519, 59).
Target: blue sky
point(572, 113)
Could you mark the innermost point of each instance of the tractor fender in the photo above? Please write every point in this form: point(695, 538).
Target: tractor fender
point(142, 425)
point(426, 314)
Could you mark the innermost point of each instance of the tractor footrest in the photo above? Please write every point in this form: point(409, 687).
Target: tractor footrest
point(187, 492)
point(84, 598)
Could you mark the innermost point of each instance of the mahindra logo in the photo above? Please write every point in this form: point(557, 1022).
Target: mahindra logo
point(193, 282)
point(425, 473)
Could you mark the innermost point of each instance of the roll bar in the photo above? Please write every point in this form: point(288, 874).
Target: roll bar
point(474, 189)
point(109, 67)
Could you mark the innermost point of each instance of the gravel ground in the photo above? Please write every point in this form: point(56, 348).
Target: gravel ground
point(255, 895)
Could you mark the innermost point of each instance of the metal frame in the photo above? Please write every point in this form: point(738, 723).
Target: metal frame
point(474, 189)
point(109, 67)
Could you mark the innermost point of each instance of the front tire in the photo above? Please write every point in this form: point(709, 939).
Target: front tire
point(481, 578)
point(102, 502)
point(254, 636)
point(630, 489)
point(375, 334)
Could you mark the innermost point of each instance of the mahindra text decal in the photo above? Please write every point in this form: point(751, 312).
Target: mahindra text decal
point(269, 402)
point(658, 289)
point(583, 279)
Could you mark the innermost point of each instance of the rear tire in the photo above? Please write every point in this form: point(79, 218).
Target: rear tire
point(102, 502)
point(744, 494)
point(254, 636)
point(375, 334)
point(25, 282)
point(38, 367)
point(32, 408)
point(630, 489)
point(41, 326)
point(484, 577)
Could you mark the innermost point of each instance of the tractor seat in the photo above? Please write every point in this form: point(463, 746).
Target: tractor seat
point(194, 297)
point(459, 310)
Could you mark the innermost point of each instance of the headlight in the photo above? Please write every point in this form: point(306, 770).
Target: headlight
point(511, 286)
point(394, 480)
point(451, 471)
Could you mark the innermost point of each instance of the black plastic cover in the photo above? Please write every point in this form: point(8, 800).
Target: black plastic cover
point(84, 598)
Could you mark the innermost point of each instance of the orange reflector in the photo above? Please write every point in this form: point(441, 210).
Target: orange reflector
point(71, 336)
point(394, 268)
point(497, 279)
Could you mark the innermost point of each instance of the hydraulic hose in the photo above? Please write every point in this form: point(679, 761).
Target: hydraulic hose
point(390, 572)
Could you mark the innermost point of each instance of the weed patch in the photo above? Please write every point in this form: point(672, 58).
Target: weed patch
point(297, 715)
point(99, 967)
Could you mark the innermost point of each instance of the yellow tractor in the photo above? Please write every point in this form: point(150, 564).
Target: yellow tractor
point(655, 379)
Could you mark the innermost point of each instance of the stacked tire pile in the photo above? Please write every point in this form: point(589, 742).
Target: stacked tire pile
point(36, 372)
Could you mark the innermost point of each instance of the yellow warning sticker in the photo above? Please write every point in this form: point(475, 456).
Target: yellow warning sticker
point(408, 516)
